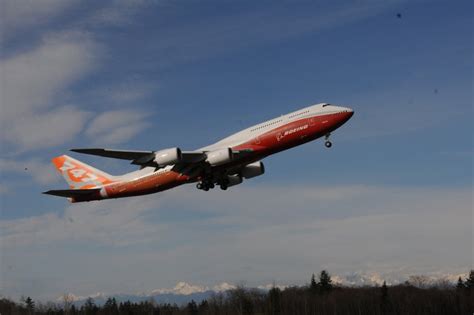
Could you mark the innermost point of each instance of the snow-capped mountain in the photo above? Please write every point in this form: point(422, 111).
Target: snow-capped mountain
point(183, 288)
point(374, 278)
point(182, 292)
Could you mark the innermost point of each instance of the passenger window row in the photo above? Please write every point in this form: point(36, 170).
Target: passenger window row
point(298, 114)
point(266, 125)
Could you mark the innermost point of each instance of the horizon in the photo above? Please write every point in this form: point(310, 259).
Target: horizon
point(353, 280)
point(393, 196)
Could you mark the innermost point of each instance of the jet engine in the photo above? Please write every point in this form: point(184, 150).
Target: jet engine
point(219, 157)
point(168, 156)
point(253, 170)
point(233, 180)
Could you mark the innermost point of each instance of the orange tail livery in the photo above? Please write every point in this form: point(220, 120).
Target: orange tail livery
point(84, 180)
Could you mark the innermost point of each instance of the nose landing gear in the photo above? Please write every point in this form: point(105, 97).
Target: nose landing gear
point(327, 143)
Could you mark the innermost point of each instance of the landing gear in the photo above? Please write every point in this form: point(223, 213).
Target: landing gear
point(208, 183)
point(223, 183)
point(327, 143)
point(205, 185)
point(202, 186)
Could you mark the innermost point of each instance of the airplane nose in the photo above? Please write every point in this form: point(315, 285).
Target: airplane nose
point(347, 113)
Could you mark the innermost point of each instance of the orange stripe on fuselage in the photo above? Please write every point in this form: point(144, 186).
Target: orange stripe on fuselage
point(146, 185)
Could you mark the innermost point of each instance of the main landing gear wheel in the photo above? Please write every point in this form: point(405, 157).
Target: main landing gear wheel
point(205, 185)
point(223, 183)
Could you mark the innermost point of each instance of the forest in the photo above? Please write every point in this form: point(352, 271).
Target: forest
point(319, 296)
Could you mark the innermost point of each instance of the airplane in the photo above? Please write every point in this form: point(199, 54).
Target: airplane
point(225, 163)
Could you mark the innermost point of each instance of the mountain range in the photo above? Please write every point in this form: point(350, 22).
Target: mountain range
point(184, 292)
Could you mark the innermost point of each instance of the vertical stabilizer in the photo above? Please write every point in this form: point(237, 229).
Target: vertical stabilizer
point(80, 175)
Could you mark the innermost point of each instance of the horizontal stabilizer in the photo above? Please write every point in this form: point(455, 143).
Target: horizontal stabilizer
point(72, 193)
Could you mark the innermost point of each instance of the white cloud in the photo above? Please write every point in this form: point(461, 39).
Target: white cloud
point(31, 79)
point(128, 92)
point(100, 223)
point(34, 81)
point(116, 126)
point(195, 236)
point(46, 129)
point(42, 173)
point(115, 13)
point(31, 85)
point(33, 114)
point(20, 15)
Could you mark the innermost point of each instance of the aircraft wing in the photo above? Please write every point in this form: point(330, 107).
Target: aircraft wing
point(189, 161)
point(116, 154)
point(144, 158)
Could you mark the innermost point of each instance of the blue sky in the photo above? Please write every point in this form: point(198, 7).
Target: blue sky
point(393, 196)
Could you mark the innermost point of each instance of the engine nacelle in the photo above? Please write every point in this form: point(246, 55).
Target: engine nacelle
point(168, 156)
point(220, 156)
point(253, 170)
point(233, 180)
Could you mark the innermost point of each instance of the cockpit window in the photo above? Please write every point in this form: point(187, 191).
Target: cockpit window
point(326, 105)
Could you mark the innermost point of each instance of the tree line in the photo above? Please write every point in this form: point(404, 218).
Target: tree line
point(320, 296)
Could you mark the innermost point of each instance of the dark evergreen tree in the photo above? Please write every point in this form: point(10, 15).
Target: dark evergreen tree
point(274, 296)
point(89, 307)
point(203, 307)
point(325, 282)
point(460, 285)
point(110, 307)
point(192, 308)
point(73, 310)
point(384, 290)
point(469, 283)
point(313, 286)
point(30, 305)
point(384, 298)
point(247, 305)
